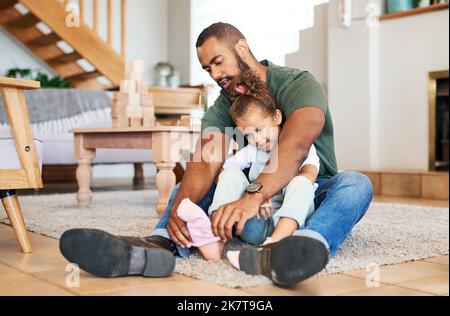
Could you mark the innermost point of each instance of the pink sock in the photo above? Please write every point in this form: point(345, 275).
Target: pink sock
point(233, 257)
point(268, 241)
point(198, 223)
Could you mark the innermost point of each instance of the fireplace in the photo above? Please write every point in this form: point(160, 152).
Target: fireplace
point(439, 121)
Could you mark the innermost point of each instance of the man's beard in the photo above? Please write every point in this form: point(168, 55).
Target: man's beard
point(242, 66)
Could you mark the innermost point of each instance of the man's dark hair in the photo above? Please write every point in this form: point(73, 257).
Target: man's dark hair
point(224, 32)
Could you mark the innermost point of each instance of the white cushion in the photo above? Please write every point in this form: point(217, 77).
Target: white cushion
point(59, 150)
point(8, 155)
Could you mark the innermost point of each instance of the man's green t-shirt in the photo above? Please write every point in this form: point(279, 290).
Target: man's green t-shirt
point(293, 89)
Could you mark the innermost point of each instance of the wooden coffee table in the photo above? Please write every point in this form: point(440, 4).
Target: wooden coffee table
point(168, 143)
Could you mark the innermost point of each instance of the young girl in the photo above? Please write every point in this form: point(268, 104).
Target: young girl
point(255, 113)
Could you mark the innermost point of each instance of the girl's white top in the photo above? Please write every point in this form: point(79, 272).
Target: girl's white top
point(256, 159)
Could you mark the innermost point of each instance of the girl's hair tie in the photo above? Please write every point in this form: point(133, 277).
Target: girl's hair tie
point(240, 90)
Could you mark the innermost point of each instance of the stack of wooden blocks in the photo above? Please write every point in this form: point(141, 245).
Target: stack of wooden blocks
point(133, 106)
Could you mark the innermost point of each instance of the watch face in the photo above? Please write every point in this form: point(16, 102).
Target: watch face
point(254, 187)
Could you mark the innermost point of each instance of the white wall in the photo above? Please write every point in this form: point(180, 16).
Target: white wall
point(348, 88)
point(180, 37)
point(148, 32)
point(377, 84)
point(13, 54)
point(340, 58)
point(409, 49)
point(147, 36)
point(313, 53)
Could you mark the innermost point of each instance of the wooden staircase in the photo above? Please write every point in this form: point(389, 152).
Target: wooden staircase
point(86, 42)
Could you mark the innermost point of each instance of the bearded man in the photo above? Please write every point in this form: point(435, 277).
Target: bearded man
point(341, 199)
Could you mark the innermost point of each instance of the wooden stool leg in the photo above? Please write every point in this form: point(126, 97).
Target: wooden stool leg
point(12, 207)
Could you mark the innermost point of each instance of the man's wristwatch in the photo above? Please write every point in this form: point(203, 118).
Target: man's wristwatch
point(254, 187)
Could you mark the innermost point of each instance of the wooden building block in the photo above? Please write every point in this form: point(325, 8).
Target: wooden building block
point(128, 86)
point(148, 116)
point(135, 76)
point(149, 122)
point(142, 87)
point(134, 111)
point(135, 122)
point(147, 100)
point(148, 112)
point(121, 120)
point(126, 99)
point(115, 108)
point(136, 65)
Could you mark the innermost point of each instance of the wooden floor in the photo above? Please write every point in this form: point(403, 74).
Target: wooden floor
point(44, 273)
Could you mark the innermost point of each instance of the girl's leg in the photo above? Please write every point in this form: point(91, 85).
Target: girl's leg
point(231, 185)
point(284, 228)
point(297, 205)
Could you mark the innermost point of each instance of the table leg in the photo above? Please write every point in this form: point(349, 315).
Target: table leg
point(165, 182)
point(84, 158)
point(138, 179)
point(167, 152)
point(84, 177)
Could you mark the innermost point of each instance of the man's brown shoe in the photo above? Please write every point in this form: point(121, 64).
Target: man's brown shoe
point(287, 262)
point(105, 255)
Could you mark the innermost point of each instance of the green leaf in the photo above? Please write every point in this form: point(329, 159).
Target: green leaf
point(46, 82)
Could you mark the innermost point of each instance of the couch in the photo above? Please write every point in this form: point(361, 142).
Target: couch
point(55, 112)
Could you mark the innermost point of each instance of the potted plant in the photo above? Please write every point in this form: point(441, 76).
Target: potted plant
point(44, 79)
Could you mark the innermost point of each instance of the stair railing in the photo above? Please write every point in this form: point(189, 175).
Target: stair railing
point(81, 9)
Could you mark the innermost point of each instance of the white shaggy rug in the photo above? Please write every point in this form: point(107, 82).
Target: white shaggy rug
point(388, 234)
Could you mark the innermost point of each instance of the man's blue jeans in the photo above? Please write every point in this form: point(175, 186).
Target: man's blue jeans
point(340, 202)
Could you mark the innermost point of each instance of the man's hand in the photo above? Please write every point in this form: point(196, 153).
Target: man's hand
point(178, 230)
point(240, 211)
point(211, 151)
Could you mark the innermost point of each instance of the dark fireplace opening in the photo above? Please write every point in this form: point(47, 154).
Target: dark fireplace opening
point(442, 125)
